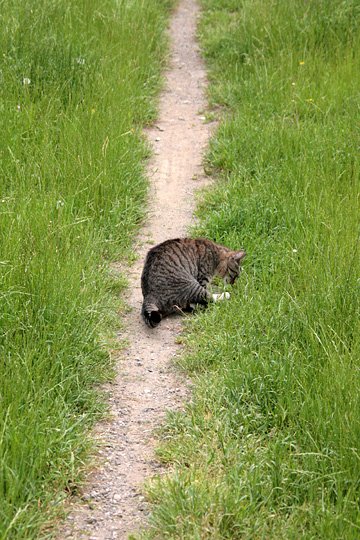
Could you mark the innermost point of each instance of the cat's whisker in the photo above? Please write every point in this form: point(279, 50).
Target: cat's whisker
point(178, 308)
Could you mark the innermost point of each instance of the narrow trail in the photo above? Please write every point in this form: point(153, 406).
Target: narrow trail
point(112, 505)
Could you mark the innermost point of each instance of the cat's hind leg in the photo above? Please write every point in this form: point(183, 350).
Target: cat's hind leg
point(199, 295)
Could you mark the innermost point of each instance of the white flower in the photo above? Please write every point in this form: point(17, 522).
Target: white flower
point(294, 250)
point(80, 61)
point(59, 204)
point(26, 81)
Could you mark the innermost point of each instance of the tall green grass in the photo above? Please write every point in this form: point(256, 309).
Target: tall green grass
point(77, 82)
point(270, 446)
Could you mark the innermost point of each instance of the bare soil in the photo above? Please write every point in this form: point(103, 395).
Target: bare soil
point(147, 385)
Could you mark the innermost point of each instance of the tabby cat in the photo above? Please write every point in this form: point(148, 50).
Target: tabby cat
point(176, 274)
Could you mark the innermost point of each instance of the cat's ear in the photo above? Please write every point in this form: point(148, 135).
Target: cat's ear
point(239, 256)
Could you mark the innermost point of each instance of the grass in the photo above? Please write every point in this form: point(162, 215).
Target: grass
point(78, 80)
point(269, 446)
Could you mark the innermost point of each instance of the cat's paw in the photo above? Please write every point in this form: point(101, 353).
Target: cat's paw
point(189, 308)
point(222, 296)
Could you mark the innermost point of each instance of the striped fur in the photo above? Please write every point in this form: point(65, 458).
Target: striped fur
point(176, 274)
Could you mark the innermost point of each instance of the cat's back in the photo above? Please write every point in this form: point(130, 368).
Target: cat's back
point(175, 247)
point(171, 255)
point(180, 247)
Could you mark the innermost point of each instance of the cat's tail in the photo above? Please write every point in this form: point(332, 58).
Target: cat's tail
point(151, 313)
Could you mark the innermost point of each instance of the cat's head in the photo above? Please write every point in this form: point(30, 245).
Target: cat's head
point(230, 265)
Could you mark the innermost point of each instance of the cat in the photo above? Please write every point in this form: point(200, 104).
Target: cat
point(176, 274)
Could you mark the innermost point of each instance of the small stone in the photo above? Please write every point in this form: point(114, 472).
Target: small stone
point(118, 514)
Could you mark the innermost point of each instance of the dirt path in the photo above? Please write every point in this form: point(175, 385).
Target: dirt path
point(147, 384)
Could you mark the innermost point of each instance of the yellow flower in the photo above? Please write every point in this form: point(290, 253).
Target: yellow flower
point(301, 63)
